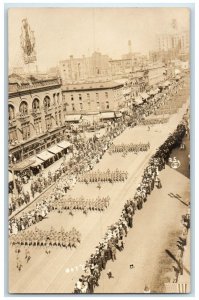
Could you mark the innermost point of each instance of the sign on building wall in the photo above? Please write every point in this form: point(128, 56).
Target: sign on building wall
point(28, 43)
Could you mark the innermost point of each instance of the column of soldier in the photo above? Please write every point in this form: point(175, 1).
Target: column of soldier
point(47, 238)
point(114, 238)
point(131, 147)
point(171, 107)
point(100, 176)
point(57, 202)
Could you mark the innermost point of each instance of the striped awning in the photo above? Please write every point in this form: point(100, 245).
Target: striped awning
point(118, 114)
point(138, 100)
point(64, 144)
point(144, 95)
point(37, 162)
point(54, 149)
point(107, 115)
point(23, 164)
point(45, 155)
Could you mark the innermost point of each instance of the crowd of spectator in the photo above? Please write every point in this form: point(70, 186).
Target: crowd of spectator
point(115, 235)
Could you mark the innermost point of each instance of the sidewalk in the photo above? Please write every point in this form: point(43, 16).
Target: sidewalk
point(52, 168)
point(185, 278)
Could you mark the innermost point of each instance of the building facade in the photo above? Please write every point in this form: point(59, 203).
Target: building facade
point(121, 66)
point(156, 74)
point(77, 69)
point(35, 115)
point(92, 97)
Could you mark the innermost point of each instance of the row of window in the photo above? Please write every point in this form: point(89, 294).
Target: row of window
point(23, 108)
point(82, 107)
point(25, 128)
point(88, 96)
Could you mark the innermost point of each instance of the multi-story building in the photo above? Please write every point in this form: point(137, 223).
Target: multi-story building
point(76, 69)
point(156, 74)
point(92, 97)
point(35, 114)
point(139, 82)
point(178, 41)
point(121, 66)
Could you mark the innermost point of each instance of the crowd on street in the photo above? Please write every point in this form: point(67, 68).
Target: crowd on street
point(115, 235)
point(86, 153)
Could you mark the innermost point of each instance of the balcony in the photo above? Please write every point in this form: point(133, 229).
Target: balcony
point(22, 116)
point(35, 113)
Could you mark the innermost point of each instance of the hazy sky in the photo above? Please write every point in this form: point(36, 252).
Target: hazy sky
point(60, 32)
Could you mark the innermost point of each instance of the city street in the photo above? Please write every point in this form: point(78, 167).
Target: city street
point(48, 273)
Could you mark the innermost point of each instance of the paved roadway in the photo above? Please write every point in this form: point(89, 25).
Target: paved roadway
point(146, 243)
point(46, 273)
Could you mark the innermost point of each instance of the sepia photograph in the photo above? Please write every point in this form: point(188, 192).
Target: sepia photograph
point(99, 150)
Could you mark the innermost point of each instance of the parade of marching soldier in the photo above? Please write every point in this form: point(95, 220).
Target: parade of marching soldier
point(99, 150)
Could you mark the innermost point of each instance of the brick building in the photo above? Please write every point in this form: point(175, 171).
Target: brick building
point(92, 97)
point(76, 69)
point(35, 113)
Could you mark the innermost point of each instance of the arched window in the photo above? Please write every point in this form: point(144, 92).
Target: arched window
point(35, 104)
point(11, 112)
point(23, 108)
point(47, 102)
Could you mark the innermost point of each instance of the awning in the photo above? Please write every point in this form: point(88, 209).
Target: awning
point(72, 118)
point(37, 162)
point(45, 155)
point(154, 92)
point(118, 114)
point(54, 149)
point(64, 144)
point(138, 100)
point(10, 176)
point(144, 95)
point(107, 115)
point(23, 165)
point(126, 91)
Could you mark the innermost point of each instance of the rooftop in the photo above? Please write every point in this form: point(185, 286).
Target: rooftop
point(91, 85)
point(19, 83)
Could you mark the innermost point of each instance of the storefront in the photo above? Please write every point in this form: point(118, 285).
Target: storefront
point(57, 151)
point(46, 157)
point(65, 146)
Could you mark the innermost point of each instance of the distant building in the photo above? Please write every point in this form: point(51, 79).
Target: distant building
point(172, 44)
point(92, 97)
point(139, 82)
point(156, 74)
point(77, 69)
point(121, 66)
